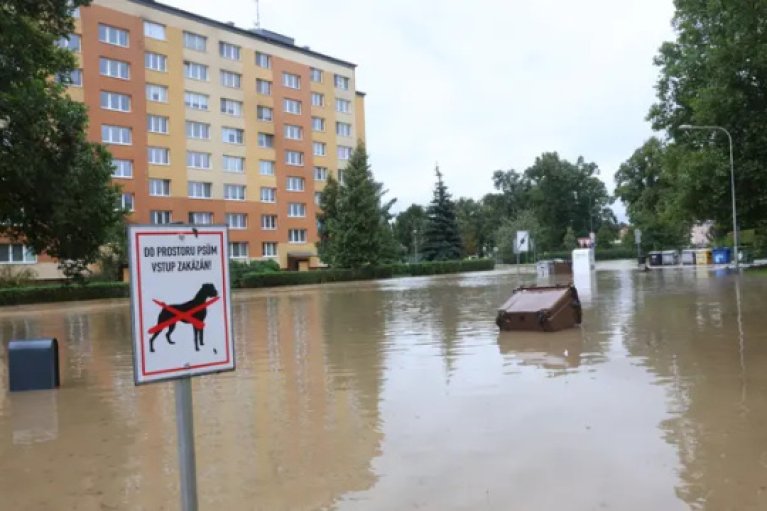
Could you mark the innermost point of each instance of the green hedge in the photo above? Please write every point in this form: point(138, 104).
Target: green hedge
point(288, 278)
point(58, 293)
point(600, 255)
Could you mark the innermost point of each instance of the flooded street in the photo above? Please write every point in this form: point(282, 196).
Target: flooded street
point(402, 394)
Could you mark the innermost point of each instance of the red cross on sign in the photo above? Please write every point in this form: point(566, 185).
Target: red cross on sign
point(181, 315)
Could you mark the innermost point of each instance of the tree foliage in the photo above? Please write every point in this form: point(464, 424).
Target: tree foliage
point(354, 224)
point(55, 191)
point(409, 229)
point(442, 239)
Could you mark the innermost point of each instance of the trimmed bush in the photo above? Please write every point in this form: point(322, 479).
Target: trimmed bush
point(600, 254)
point(42, 294)
point(288, 278)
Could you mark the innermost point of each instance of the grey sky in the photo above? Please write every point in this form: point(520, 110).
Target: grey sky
point(482, 85)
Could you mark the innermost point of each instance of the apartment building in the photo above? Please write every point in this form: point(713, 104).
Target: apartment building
point(211, 123)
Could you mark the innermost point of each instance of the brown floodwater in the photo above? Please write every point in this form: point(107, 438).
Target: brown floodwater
point(401, 394)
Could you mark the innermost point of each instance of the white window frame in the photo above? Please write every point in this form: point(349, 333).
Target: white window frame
point(127, 202)
point(234, 192)
point(269, 249)
point(122, 169)
point(194, 41)
point(199, 189)
point(268, 222)
point(344, 152)
point(114, 35)
point(341, 82)
point(157, 93)
point(297, 236)
point(157, 124)
point(291, 106)
point(266, 167)
point(237, 221)
point(154, 30)
point(294, 158)
point(235, 164)
point(228, 51)
point(231, 135)
point(262, 111)
point(196, 130)
point(263, 60)
point(295, 184)
point(316, 75)
point(271, 194)
point(296, 210)
point(115, 101)
point(230, 79)
point(163, 152)
point(27, 255)
point(200, 217)
point(293, 132)
point(320, 173)
point(318, 124)
point(319, 148)
point(263, 87)
point(165, 216)
point(240, 252)
point(317, 198)
point(198, 160)
point(71, 42)
point(346, 131)
point(156, 61)
point(119, 131)
point(196, 71)
point(159, 187)
point(318, 99)
point(291, 80)
point(196, 100)
point(265, 140)
point(343, 106)
point(231, 107)
point(114, 68)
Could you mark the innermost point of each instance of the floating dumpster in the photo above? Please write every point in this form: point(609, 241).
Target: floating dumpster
point(543, 309)
point(553, 267)
point(703, 256)
point(688, 256)
point(670, 257)
point(722, 255)
point(656, 259)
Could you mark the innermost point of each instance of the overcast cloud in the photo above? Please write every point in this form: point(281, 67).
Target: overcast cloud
point(482, 85)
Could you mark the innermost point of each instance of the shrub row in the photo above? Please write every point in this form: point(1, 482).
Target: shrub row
point(600, 255)
point(256, 279)
point(41, 294)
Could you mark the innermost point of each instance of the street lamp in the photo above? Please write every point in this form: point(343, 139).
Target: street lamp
point(732, 184)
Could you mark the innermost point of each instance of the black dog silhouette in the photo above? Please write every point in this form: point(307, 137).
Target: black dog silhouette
point(205, 292)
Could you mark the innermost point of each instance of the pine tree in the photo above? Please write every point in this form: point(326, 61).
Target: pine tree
point(442, 239)
point(354, 228)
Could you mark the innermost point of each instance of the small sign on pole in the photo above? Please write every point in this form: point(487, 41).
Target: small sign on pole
point(181, 319)
point(637, 236)
point(523, 242)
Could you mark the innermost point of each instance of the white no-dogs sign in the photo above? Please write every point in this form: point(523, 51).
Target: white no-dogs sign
point(180, 301)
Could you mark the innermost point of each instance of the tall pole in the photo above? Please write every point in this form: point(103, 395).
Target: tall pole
point(185, 431)
point(735, 253)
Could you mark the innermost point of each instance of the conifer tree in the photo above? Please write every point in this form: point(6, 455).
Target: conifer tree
point(442, 239)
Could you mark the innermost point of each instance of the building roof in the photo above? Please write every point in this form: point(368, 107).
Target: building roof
point(261, 35)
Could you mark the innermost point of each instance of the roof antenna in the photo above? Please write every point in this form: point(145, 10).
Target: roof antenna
point(258, 15)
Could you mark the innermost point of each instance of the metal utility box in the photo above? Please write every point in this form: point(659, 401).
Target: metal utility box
point(703, 256)
point(33, 364)
point(722, 255)
point(688, 257)
point(670, 257)
point(656, 259)
point(544, 309)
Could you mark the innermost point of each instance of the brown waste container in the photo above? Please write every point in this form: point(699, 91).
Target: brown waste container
point(543, 309)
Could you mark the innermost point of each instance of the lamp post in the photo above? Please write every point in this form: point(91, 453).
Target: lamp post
point(732, 185)
point(415, 245)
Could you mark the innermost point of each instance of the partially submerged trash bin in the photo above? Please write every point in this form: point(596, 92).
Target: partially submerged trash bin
point(721, 255)
point(670, 257)
point(688, 256)
point(544, 268)
point(545, 309)
point(656, 259)
point(33, 364)
point(703, 256)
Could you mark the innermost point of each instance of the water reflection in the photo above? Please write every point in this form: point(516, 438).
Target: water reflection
point(557, 351)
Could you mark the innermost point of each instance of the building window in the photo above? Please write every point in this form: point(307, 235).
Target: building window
point(230, 79)
point(115, 101)
point(268, 194)
point(197, 160)
point(293, 132)
point(315, 75)
point(234, 164)
point(344, 152)
point(319, 148)
point(199, 190)
point(268, 222)
point(263, 60)
point(114, 68)
point(196, 101)
point(318, 124)
point(200, 217)
point(295, 158)
point(343, 129)
point(233, 135)
point(343, 105)
point(320, 173)
point(291, 81)
point(158, 155)
point(72, 79)
point(318, 99)
point(72, 42)
point(229, 51)
point(118, 135)
point(264, 113)
point(297, 235)
point(341, 179)
point(159, 187)
point(269, 249)
point(341, 82)
point(237, 220)
point(264, 87)
point(296, 210)
point(238, 250)
point(317, 198)
point(126, 202)
point(197, 130)
point(266, 167)
point(154, 30)
point(160, 217)
point(231, 107)
point(195, 71)
point(292, 106)
point(295, 184)
point(156, 61)
point(157, 124)
point(113, 35)
point(265, 140)
point(194, 41)
point(14, 253)
point(122, 168)
point(158, 93)
point(234, 192)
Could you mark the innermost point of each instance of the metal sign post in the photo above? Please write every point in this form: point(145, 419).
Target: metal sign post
point(522, 245)
point(638, 241)
point(181, 319)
